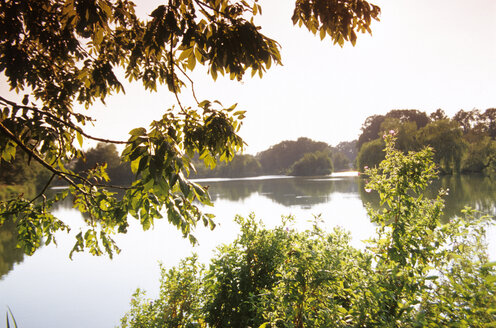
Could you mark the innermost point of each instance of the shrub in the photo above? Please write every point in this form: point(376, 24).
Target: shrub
point(416, 272)
point(317, 163)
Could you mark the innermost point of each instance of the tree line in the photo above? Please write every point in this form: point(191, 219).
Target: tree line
point(464, 143)
point(301, 157)
point(25, 175)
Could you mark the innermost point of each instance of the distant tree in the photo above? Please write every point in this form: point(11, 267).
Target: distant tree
point(371, 154)
point(279, 158)
point(405, 132)
point(22, 174)
point(439, 114)
point(18, 170)
point(488, 122)
point(240, 166)
point(348, 148)
point(458, 142)
point(119, 172)
point(99, 155)
point(340, 161)
point(466, 119)
point(316, 163)
point(479, 156)
point(371, 129)
point(445, 137)
point(410, 115)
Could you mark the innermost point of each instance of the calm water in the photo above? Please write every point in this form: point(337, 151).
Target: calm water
point(49, 290)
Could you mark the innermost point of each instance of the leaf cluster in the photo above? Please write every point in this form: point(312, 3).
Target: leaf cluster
point(339, 20)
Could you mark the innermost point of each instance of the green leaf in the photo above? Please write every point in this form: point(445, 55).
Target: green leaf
point(135, 165)
point(489, 265)
point(138, 132)
point(79, 138)
point(204, 103)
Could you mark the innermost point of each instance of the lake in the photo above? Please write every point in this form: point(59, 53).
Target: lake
point(49, 290)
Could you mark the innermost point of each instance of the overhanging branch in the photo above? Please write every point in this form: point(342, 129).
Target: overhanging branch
point(61, 121)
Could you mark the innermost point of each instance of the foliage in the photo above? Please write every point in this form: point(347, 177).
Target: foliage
point(317, 163)
point(9, 253)
point(406, 133)
point(417, 257)
point(348, 148)
point(242, 165)
point(480, 156)
point(416, 272)
point(446, 138)
point(370, 130)
point(340, 161)
point(370, 154)
point(105, 155)
point(61, 56)
point(178, 301)
point(340, 22)
point(457, 142)
point(279, 158)
point(21, 175)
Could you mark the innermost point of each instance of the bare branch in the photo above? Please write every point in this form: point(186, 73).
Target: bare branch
point(172, 64)
point(190, 80)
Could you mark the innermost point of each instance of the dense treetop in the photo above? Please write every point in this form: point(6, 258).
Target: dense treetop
point(63, 55)
point(464, 143)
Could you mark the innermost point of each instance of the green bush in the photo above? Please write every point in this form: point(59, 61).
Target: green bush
point(416, 271)
point(371, 154)
point(317, 163)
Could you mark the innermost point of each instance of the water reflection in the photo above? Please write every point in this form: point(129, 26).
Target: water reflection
point(305, 192)
point(9, 253)
point(476, 191)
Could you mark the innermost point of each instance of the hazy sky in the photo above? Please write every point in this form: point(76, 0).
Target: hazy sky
point(423, 54)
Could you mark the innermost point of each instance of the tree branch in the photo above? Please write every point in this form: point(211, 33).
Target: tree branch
point(61, 121)
point(190, 80)
point(34, 155)
point(172, 64)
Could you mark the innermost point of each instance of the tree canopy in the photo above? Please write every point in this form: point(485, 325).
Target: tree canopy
point(279, 158)
point(464, 143)
point(62, 56)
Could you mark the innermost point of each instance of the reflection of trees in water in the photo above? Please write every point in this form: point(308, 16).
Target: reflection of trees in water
point(306, 192)
point(287, 192)
point(233, 190)
point(9, 254)
point(476, 191)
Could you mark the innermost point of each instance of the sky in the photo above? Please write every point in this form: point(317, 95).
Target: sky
point(423, 54)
